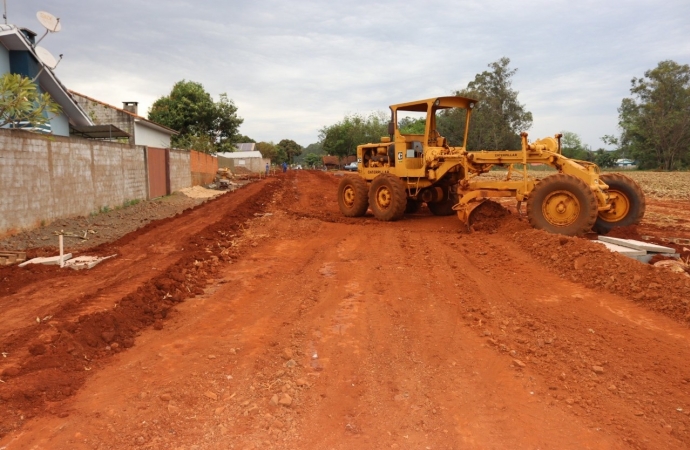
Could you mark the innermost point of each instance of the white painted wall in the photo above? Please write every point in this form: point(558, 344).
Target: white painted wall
point(144, 135)
point(60, 125)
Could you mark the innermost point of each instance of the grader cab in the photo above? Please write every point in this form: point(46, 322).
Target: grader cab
point(410, 167)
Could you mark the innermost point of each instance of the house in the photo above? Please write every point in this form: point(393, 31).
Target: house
point(142, 131)
point(243, 160)
point(17, 55)
point(333, 162)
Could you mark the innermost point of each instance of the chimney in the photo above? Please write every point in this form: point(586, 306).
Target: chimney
point(131, 107)
point(30, 35)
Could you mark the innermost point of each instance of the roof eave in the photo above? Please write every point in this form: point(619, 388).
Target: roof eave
point(155, 126)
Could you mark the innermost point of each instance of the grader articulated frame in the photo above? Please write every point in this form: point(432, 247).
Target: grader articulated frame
point(401, 172)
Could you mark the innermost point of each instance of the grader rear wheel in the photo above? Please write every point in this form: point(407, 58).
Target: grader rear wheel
point(562, 204)
point(353, 196)
point(627, 203)
point(387, 197)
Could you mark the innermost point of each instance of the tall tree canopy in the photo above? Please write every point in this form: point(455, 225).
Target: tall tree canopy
point(289, 148)
point(655, 121)
point(268, 150)
point(497, 120)
point(22, 105)
point(572, 147)
point(341, 139)
point(191, 110)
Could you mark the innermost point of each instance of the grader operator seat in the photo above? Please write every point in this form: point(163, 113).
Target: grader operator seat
point(391, 155)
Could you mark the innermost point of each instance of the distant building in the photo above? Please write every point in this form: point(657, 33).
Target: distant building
point(17, 55)
point(239, 161)
point(142, 131)
point(624, 162)
point(333, 162)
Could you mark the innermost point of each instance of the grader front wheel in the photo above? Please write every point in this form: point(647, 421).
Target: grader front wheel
point(562, 204)
point(627, 203)
point(353, 196)
point(387, 197)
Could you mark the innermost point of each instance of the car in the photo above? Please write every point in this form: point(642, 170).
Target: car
point(353, 166)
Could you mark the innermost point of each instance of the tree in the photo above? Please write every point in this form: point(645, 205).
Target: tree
point(190, 110)
point(655, 121)
point(242, 139)
point(408, 125)
point(604, 158)
point(497, 120)
point(313, 160)
point(311, 149)
point(572, 147)
point(268, 150)
point(290, 148)
point(22, 105)
point(341, 139)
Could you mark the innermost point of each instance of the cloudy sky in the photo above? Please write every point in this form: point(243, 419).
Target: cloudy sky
point(294, 67)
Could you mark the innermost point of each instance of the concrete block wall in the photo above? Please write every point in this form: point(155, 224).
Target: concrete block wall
point(204, 168)
point(251, 164)
point(44, 178)
point(227, 163)
point(103, 114)
point(180, 170)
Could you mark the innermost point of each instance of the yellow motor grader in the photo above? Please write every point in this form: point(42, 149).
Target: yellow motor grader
point(398, 174)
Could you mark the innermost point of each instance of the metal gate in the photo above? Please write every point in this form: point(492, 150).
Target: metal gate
point(159, 176)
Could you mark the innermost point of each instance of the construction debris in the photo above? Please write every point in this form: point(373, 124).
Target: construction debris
point(86, 262)
point(674, 266)
point(48, 261)
point(639, 250)
point(76, 263)
point(9, 258)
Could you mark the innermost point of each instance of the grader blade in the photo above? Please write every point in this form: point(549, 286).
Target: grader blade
point(466, 212)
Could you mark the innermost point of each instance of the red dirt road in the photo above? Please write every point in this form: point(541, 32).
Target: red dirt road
point(264, 319)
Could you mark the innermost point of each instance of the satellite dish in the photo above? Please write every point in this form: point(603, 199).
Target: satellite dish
point(46, 57)
point(47, 60)
point(49, 21)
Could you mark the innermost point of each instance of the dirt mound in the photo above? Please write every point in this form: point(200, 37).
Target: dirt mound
point(591, 264)
point(629, 232)
point(200, 192)
point(239, 170)
point(488, 217)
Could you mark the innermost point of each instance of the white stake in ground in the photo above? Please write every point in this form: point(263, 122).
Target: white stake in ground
point(62, 253)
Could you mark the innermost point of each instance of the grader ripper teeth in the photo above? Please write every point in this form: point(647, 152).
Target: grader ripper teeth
point(404, 170)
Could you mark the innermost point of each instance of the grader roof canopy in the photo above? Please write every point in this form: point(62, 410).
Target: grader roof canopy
point(440, 102)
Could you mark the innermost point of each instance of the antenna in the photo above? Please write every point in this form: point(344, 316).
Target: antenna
point(4, 14)
point(50, 22)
